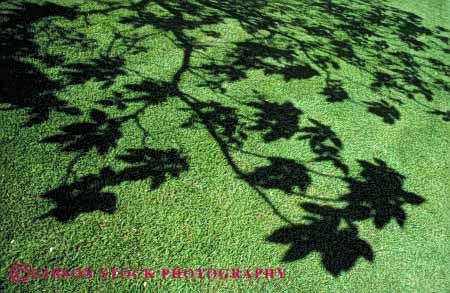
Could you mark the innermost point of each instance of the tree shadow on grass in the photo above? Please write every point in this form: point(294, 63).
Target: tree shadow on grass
point(297, 46)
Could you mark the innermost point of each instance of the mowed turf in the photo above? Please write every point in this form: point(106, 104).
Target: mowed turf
point(311, 136)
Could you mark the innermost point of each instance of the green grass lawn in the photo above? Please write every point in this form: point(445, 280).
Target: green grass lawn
point(307, 135)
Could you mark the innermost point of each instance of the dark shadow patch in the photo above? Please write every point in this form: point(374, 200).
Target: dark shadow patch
point(154, 164)
point(83, 196)
point(152, 92)
point(223, 120)
point(22, 84)
point(103, 69)
point(381, 190)
point(382, 79)
point(383, 109)
point(283, 174)
point(324, 142)
point(294, 72)
point(334, 91)
point(339, 247)
point(275, 119)
point(100, 134)
point(148, 92)
point(252, 55)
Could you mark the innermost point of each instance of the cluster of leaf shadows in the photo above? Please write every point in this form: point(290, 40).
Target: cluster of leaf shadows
point(298, 40)
point(333, 232)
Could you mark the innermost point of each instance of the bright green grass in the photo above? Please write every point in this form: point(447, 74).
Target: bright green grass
point(231, 55)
